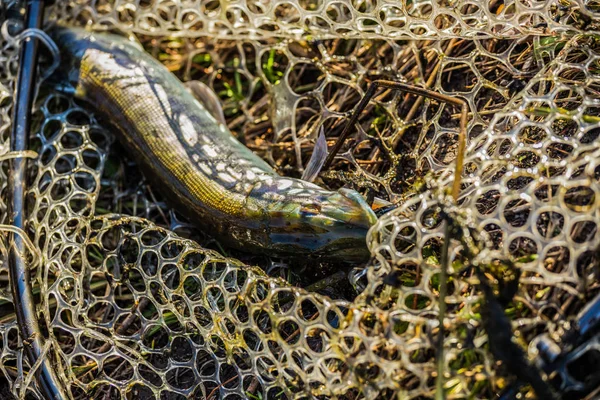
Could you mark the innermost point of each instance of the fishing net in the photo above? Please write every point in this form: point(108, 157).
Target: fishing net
point(134, 308)
point(333, 19)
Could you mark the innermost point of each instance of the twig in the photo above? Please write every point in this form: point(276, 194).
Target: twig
point(462, 136)
point(212, 393)
point(413, 110)
point(439, 381)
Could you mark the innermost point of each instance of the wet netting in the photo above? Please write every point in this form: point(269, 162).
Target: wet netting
point(136, 305)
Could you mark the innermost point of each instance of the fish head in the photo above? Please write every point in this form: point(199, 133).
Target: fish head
point(328, 225)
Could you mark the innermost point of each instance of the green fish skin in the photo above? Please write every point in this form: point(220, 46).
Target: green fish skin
point(199, 166)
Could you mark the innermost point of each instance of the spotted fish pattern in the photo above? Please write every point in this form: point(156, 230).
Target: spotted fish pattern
point(199, 165)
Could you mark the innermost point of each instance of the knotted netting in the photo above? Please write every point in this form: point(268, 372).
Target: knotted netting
point(133, 309)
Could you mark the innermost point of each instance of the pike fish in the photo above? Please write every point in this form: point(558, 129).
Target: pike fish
point(194, 160)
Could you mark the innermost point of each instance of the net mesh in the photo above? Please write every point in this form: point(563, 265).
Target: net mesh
point(333, 19)
point(134, 309)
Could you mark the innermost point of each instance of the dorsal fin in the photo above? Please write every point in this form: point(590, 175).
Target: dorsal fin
point(207, 98)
